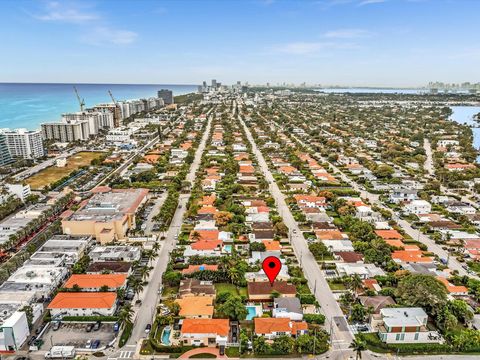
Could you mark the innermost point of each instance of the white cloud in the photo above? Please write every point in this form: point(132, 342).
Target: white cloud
point(300, 48)
point(56, 11)
point(369, 2)
point(347, 34)
point(94, 27)
point(106, 35)
point(307, 48)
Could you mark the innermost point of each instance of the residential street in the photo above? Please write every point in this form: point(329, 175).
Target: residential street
point(429, 161)
point(150, 295)
point(335, 321)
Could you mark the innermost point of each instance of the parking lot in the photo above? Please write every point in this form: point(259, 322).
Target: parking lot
point(75, 334)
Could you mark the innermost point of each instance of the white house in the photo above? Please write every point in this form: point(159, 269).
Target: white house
point(404, 325)
point(418, 207)
point(287, 307)
point(402, 195)
point(365, 271)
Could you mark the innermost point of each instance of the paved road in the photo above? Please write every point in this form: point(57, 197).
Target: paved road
point(150, 294)
point(428, 165)
point(341, 336)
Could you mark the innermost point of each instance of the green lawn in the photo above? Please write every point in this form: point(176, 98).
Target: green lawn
point(336, 286)
point(225, 287)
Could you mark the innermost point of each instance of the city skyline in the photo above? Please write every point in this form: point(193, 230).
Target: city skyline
point(338, 42)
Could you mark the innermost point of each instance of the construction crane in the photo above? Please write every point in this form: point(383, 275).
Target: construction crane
point(111, 96)
point(80, 100)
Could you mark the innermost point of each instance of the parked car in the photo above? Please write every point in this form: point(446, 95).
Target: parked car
point(362, 327)
point(97, 326)
point(56, 325)
point(116, 327)
point(32, 340)
point(89, 327)
point(96, 344)
point(148, 328)
point(222, 350)
point(88, 345)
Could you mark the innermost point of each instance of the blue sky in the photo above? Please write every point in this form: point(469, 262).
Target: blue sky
point(345, 42)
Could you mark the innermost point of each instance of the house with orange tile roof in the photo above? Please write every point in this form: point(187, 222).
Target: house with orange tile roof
point(453, 290)
point(207, 210)
point(409, 256)
point(208, 200)
point(310, 201)
point(84, 304)
point(270, 328)
point(389, 234)
point(395, 243)
point(206, 332)
point(272, 245)
point(204, 235)
point(330, 235)
point(459, 167)
point(151, 158)
point(93, 282)
point(287, 170)
point(195, 268)
point(196, 307)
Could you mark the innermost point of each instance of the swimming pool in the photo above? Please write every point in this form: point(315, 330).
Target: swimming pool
point(166, 335)
point(252, 312)
point(228, 248)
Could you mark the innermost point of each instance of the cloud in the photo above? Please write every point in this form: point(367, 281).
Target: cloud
point(301, 47)
point(308, 48)
point(370, 2)
point(106, 35)
point(94, 28)
point(347, 34)
point(55, 11)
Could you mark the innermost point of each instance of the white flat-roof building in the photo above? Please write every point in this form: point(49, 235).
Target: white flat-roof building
point(43, 280)
point(365, 271)
point(19, 190)
point(115, 253)
point(23, 143)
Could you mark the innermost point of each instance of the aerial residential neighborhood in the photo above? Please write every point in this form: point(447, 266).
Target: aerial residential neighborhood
point(257, 179)
point(160, 251)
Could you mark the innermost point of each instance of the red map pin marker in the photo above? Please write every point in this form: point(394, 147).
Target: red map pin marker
point(271, 265)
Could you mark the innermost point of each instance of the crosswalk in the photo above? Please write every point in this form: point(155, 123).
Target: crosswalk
point(123, 355)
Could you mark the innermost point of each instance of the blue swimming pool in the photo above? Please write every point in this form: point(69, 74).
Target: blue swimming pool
point(252, 312)
point(228, 248)
point(166, 335)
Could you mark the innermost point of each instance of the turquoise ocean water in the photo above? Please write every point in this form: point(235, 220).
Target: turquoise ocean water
point(28, 105)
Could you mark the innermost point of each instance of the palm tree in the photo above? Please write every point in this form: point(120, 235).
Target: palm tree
point(355, 282)
point(155, 247)
point(358, 346)
point(144, 272)
point(234, 275)
point(125, 315)
point(137, 287)
point(195, 236)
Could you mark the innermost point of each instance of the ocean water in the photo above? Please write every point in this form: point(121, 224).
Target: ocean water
point(28, 105)
point(464, 115)
point(371, 91)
